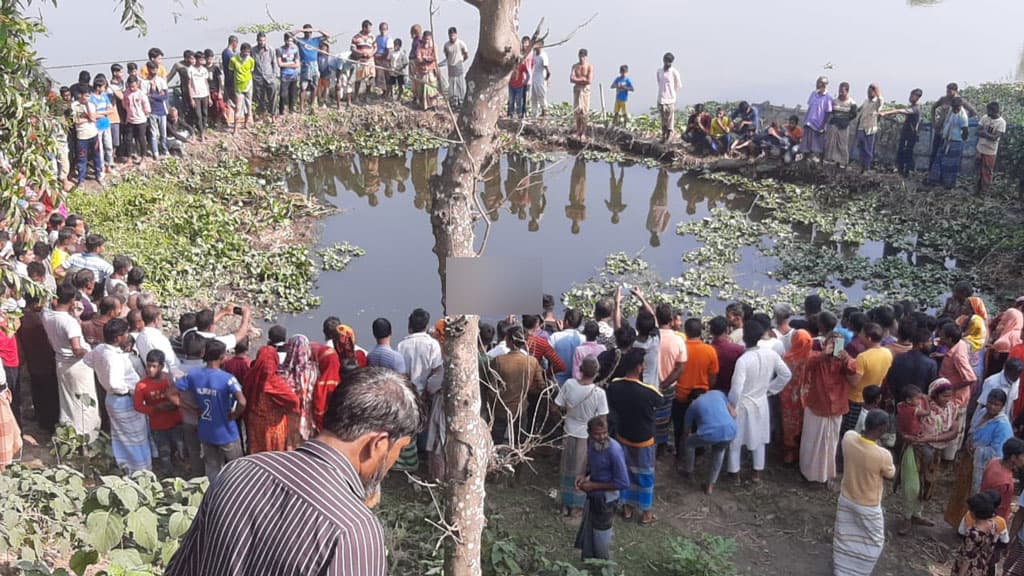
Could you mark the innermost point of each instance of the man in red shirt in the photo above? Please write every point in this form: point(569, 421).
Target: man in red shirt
point(539, 348)
point(727, 351)
point(518, 82)
point(153, 398)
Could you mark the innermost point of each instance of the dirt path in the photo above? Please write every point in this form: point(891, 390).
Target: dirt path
point(782, 526)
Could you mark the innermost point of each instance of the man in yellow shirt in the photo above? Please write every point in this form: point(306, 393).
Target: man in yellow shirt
point(867, 369)
point(859, 534)
point(66, 240)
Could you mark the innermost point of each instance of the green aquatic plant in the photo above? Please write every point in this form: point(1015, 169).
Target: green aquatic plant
point(337, 257)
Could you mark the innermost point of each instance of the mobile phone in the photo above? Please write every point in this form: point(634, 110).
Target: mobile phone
point(839, 343)
point(237, 310)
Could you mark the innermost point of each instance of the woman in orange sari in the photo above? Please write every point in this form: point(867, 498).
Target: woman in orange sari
point(791, 396)
point(269, 402)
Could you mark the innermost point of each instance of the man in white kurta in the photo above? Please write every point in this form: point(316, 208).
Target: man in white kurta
point(759, 372)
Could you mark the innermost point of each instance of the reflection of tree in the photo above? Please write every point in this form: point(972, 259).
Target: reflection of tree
point(537, 192)
point(424, 165)
point(614, 201)
point(577, 208)
point(515, 185)
point(492, 196)
point(657, 212)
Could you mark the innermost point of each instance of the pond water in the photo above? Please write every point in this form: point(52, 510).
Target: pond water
point(570, 212)
point(726, 50)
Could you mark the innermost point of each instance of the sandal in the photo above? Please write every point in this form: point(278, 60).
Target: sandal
point(648, 520)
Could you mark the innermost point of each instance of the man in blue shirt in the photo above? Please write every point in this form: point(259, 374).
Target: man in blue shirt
point(566, 341)
point(384, 355)
point(219, 402)
point(608, 475)
point(309, 75)
point(715, 420)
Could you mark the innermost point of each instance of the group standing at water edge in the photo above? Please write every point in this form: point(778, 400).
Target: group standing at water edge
point(868, 395)
point(136, 113)
point(852, 395)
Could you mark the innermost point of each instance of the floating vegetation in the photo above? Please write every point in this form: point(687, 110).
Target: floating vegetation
point(337, 257)
point(381, 142)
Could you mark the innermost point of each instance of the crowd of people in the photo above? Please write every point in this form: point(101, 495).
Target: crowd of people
point(151, 111)
point(866, 395)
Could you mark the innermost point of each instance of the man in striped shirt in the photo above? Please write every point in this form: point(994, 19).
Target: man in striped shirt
point(307, 512)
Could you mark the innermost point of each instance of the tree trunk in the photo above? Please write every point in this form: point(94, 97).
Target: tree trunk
point(468, 444)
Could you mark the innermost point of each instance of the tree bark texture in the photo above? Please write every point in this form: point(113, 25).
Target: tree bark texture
point(468, 441)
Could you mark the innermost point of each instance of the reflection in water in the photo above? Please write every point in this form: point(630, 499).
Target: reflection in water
point(657, 213)
point(614, 201)
point(515, 185)
point(492, 191)
point(424, 165)
point(537, 192)
point(576, 210)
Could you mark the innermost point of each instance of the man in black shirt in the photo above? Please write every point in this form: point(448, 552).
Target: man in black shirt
point(913, 368)
point(633, 404)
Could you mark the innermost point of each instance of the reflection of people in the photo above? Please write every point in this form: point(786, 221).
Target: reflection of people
point(536, 189)
point(424, 165)
point(614, 201)
point(393, 173)
point(515, 187)
point(577, 209)
point(492, 196)
point(657, 213)
point(370, 166)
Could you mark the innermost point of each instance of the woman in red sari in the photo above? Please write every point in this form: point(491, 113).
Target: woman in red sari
point(791, 397)
point(331, 360)
point(270, 401)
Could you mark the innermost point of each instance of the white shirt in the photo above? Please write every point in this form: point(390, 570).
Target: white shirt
point(229, 340)
point(422, 355)
point(151, 338)
point(61, 328)
point(100, 267)
point(998, 125)
point(453, 53)
point(113, 368)
point(652, 351)
point(998, 382)
point(581, 403)
point(500, 350)
point(773, 344)
point(669, 84)
point(200, 78)
point(537, 76)
point(111, 285)
point(759, 372)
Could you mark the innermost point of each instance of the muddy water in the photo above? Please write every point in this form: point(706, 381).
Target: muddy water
point(570, 212)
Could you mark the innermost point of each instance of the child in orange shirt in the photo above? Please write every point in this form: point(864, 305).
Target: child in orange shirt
point(153, 398)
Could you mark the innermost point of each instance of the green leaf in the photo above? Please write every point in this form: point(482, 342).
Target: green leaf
point(178, 525)
point(142, 525)
point(168, 550)
point(128, 495)
point(82, 559)
point(126, 558)
point(104, 530)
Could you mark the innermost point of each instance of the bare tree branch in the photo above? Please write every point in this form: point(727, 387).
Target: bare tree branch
point(571, 34)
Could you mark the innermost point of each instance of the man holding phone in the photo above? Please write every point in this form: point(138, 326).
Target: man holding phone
point(207, 320)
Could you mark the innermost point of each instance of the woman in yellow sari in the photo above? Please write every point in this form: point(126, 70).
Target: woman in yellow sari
point(975, 332)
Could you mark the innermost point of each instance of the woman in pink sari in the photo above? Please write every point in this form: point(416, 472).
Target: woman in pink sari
point(1007, 335)
point(300, 370)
